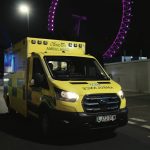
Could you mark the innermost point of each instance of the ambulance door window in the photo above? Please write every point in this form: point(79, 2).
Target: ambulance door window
point(38, 73)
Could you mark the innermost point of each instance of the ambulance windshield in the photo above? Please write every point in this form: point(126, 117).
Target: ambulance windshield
point(74, 68)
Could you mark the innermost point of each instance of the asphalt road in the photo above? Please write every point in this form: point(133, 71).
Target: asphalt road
point(18, 133)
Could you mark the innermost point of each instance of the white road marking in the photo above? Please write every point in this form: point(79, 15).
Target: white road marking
point(137, 119)
point(146, 126)
point(131, 122)
point(148, 136)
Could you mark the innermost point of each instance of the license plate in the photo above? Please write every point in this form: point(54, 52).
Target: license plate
point(106, 118)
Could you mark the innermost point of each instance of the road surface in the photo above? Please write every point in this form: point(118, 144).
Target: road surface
point(18, 133)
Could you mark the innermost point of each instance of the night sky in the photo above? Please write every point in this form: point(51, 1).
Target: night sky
point(98, 31)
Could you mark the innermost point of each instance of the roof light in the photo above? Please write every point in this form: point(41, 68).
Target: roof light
point(70, 44)
point(75, 45)
point(33, 41)
point(45, 42)
point(39, 42)
point(80, 45)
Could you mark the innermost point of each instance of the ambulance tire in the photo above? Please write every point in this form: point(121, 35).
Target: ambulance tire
point(44, 124)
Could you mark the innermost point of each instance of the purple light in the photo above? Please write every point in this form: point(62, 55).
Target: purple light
point(51, 16)
point(124, 26)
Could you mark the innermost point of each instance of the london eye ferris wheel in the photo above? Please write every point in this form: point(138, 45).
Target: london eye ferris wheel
point(125, 19)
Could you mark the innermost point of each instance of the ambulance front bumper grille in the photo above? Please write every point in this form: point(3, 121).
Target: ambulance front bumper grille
point(98, 103)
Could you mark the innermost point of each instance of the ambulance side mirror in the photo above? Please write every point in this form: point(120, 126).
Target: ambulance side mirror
point(37, 81)
point(32, 82)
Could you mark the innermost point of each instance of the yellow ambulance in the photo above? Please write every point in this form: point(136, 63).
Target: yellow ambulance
point(56, 81)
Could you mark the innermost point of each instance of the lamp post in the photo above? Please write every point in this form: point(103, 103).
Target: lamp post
point(24, 9)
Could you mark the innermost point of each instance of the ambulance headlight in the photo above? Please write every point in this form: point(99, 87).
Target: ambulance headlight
point(70, 96)
point(66, 96)
point(121, 94)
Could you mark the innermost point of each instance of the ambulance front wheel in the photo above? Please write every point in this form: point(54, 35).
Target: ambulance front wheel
point(44, 124)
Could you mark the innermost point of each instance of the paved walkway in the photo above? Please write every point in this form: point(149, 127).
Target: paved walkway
point(3, 107)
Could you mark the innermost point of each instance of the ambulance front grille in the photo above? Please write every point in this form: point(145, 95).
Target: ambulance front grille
point(97, 103)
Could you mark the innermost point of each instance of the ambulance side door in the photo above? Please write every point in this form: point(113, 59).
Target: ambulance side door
point(37, 84)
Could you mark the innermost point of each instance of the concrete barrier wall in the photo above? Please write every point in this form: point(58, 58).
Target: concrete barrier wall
point(132, 76)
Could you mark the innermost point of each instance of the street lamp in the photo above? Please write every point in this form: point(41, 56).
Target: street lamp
point(25, 9)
